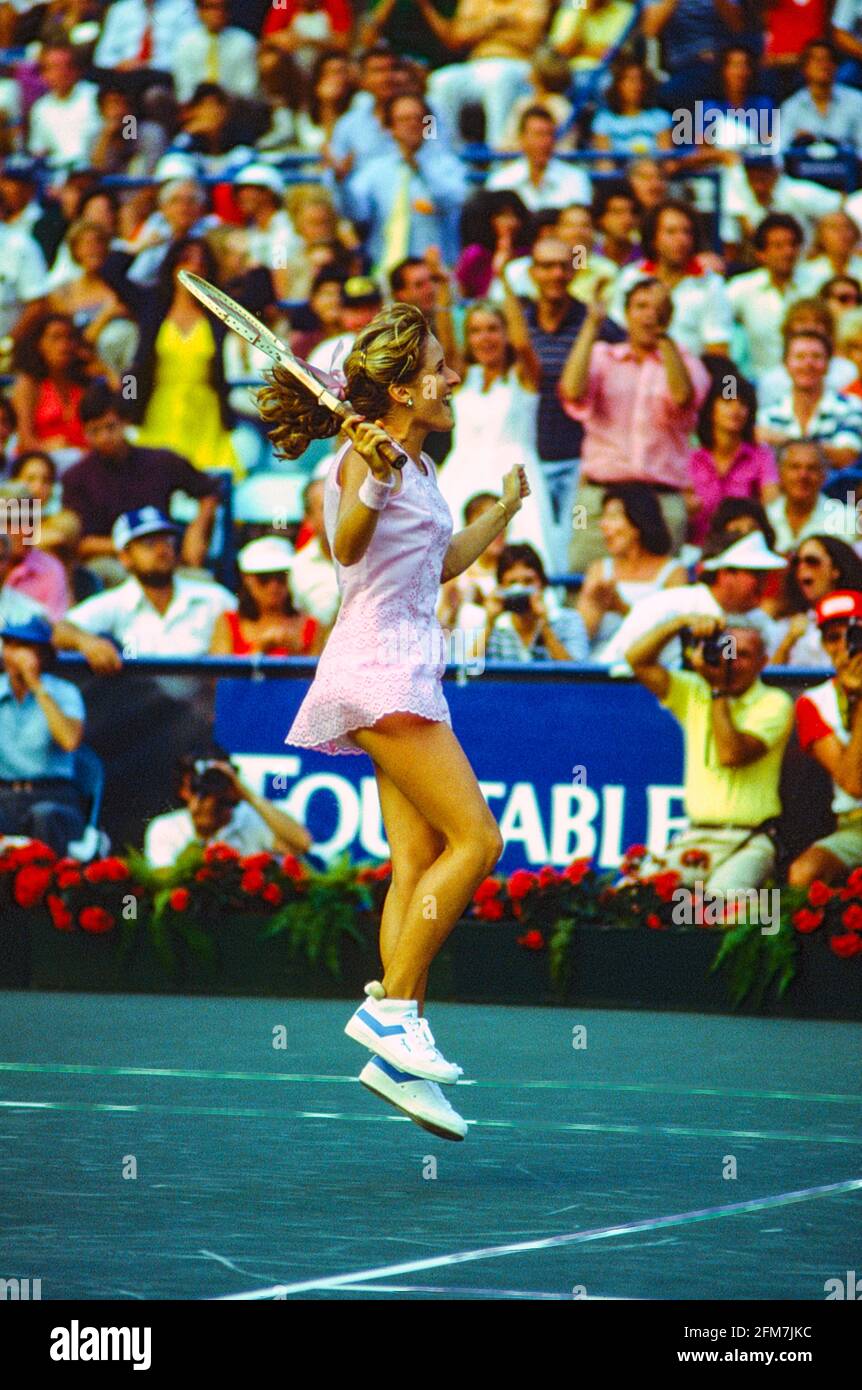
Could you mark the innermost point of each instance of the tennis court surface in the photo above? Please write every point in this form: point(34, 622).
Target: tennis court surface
point(158, 1147)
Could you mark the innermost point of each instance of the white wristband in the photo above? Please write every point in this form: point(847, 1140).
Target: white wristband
point(374, 493)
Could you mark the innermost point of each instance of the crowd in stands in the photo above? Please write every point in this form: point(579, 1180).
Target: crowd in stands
point(634, 228)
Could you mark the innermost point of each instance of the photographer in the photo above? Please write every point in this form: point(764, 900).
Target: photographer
point(221, 808)
point(829, 726)
point(523, 622)
point(735, 730)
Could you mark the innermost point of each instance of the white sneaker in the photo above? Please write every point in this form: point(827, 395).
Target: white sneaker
point(423, 1101)
point(393, 1029)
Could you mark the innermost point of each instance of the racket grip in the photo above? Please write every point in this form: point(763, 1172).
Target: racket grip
point(395, 457)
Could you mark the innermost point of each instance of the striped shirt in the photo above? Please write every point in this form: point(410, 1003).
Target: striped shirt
point(837, 421)
point(558, 437)
point(504, 644)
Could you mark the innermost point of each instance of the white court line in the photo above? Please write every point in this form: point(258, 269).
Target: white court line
point(491, 1252)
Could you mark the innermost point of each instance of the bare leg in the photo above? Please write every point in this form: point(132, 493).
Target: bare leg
point(816, 863)
point(426, 764)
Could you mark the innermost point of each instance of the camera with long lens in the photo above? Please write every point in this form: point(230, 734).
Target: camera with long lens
point(517, 598)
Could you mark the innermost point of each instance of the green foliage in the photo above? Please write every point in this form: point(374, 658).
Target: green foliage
point(754, 961)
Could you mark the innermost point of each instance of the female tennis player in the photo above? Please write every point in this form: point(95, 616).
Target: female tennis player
point(378, 688)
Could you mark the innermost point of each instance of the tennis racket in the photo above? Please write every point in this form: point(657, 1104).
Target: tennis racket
point(247, 326)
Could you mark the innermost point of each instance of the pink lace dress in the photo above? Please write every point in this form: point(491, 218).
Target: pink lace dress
point(387, 650)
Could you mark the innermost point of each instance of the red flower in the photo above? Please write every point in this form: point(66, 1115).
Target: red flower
point(60, 914)
point(520, 883)
point(203, 874)
point(68, 878)
point(636, 852)
point(577, 871)
point(532, 941)
point(490, 910)
point(180, 899)
point(803, 920)
point(382, 871)
point(291, 868)
point(488, 889)
point(30, 885)
point(220, 853)
point(846, 946)
point(256, 861)
point(272, 894)
point(852, 917)
point(115, 869)
point(252, 881)
point(548, 875)
point(666, 884)
point(94, 873)
point(33, 852)
point(96, 919)
point(819, 893)
point(654, 921)
point(854, 882)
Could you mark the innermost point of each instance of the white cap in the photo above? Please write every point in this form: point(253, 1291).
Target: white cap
point(267, 555)
point(176, 166)
point(749, 553)
point(260, 176)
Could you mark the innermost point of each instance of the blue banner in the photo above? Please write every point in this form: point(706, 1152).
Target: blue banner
point(569, 769)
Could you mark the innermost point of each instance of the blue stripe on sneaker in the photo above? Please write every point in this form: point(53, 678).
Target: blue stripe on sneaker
point(381, 1029)
point(392, 1072)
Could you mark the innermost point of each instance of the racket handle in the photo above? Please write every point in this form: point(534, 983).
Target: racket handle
point(395, 457)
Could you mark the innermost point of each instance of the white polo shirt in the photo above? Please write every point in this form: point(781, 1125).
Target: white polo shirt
point(167, 836)
point(561, 184)
point(126, 614)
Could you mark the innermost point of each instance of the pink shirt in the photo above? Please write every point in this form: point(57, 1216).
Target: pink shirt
point(752, 469)
point(633, 431)
point(43, 578)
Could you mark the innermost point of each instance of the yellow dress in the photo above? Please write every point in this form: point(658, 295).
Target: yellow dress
point(183, 411)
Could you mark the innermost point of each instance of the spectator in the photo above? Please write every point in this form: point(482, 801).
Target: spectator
point(847, 38)
point(155, 612)
point(638, 401)
point(181, 398)
point(788, 27)
point(758, 185)
point(615, 214)
point(701, 319)
point(424, 283)
point(522, 619)
point(65, 122)
point(550, 80)
point(266, 620)
point(829, 726)
point(539, 179)
point(115, 476)
point(143, 34)
point(586, 32)
point(760, 298)
point(811, 410)
point(850, 343)
point(820, 565)
point(501, 37)
point(37, 574)
point(736, 114)
point(272, 237)
point(280, 86)
point(824, 109)
point(638, 560)
point(735, 731)
point(630, 122)
point(331, 88)
point(833, 248)
point(800, 509)
point(312, 574)
point(361, 299)
point(41, 725)
point(361, 133)
point(410, 199)
point(181, 213)
point(305, 29)
point(728, 463)
point(24, 272)
point(125, 143)
point(218, 130)
point(495, 419)
point(89, 300)
point(215, 51)
point(325, 312)
point(50, 360)
point(495, 231)
point(462, 600)
point(734, 518)
point(321, 238)
point(648, 182)
point(221, 809)
point(803, 315)
point(733, 582)
point(841, 294)
point(692, 33)
point(59, 532)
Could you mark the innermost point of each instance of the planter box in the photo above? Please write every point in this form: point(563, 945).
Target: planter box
point(480, 963)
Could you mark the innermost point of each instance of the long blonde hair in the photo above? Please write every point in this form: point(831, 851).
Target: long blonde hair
point(390, 349)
